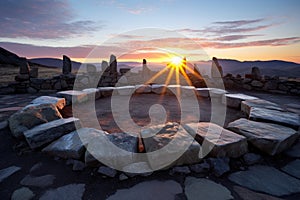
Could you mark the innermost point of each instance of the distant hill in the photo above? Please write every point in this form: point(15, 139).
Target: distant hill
point(8, 58)
point(270, 68)
point(53, 62)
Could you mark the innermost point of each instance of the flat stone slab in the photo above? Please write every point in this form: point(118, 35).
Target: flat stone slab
point(30, 116)
point(169, 144)
point(73, 96)
point(125, 90)
point(294, 151)
point(106, 91)
point(246, 194)
point(275, 116)
point(217, 93)
point(266, 179)
point(4, 173)
point(60, 103)
point(143, 89)
point(235, 100)
point(23, 193)
point(67, 192)
point(201, 188)
point(269, 138)
point(72, 145)
point(93, 93)
point(203, 92)
point(258, 103)
point(38, 181)
point(159, 88)
point(148, 190)
point(115, 150)
point(48, 132)
point(217, 141)
point(293, 168)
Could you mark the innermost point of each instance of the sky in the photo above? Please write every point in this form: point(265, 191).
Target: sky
point(91, 30)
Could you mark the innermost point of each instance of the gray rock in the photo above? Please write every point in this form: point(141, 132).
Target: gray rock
point(217, 141)
point(48, 132)
point(4, 173)
point(35, 167)
point(162, 189)
point(93, 93)
point(256, 83)
point(246, 194)
point(78, 165)
point(235, 100)
point(38, 181)
point(275, 116)
point(266, 179)
point(255, 72)
point(67, 192)
point(258, 103)
point(3, 124)
point(269, 138)
point(107, 171)
point(23, 193)
point(293, 168)
point(73, 96)
point(203, 92)
point(294, 151)
point(30, 116)
point(142, 89)
point(106, 91)
point(67, 65)
point(159, 88)
point(115, 150)
point(169, 145)
point(58, 102)
point(180, 170)
point(201, 188)
point(72, 145)
point(219, 166)
point(134, 169)
point(200, 168)
point(251, 158)
point(125, 90)
point(123, 177)
point(217, 93)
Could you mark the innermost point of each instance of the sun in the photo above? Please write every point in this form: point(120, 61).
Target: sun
point(176, 61)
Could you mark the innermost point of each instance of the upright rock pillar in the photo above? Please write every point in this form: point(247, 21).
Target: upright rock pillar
point(216, 69)
point(67, 65)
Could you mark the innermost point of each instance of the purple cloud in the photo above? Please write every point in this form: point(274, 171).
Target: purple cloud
point(41, 19)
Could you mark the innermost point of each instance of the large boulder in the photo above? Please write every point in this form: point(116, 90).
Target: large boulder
point(159, 88)
point(30, 116)
point(169, 144)
point(115, 150)
point(48, 132)
point(275, 116)
point(58, 102)
point(217, 141)
point(72, 145)
point(73, 96)
point(269, 138)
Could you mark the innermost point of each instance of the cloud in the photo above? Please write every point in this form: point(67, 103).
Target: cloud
point(231, 27)
point(234, 37)
point(130, 7)
point(33, 51)
point(41, 19)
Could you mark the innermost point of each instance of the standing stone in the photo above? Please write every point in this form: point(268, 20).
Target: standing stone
point(104, 65)
point(24, 67)
point(91, 69)
point(67, 65)
point(146, 71)
point(216, 69)
point(256, 73)
point(113, 64)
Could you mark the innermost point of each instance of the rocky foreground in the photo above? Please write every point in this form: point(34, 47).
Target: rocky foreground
point(254, 157)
